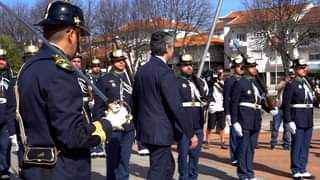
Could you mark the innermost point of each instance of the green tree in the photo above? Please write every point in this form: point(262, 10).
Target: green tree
point(13, 51)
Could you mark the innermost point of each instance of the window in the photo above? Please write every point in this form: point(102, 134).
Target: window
point(280, 76)
point(259, 34)
point(314, 57)
point(242, 37)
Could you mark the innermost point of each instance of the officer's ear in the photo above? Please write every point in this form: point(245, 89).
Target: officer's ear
point(71, 34)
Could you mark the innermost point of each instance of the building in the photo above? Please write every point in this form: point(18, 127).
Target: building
point(237, 28)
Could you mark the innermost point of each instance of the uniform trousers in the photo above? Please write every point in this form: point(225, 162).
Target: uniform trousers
point(188, 159)
point(245, 154)
point(118, 155)
point(300, 150)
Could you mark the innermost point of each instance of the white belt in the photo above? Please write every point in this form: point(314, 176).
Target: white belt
point(191, 104)
point(301, 105)
point(250, 105)
point(3, 100)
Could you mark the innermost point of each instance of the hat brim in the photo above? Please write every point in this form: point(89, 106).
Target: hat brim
point(51, 22)
point(250, 65)
point(184, 63)
point(300, 66)
point(118, 59)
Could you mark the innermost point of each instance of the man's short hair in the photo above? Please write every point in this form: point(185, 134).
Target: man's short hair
point(159, 42)
point(54, 32)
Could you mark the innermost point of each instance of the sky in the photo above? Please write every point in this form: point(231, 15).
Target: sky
point(230, 5)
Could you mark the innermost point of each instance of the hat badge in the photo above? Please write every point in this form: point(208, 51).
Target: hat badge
point(76, 20)
point(250, 60)
point(117, 53)
point(302, 61)
point(186, 57)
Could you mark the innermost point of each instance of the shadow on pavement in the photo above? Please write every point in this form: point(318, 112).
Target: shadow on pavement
point(257, 166)
point(209, 171)
point(138, 171)
point(97, 176)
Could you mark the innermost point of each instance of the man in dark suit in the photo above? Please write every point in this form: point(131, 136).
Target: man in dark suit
point(158, 112)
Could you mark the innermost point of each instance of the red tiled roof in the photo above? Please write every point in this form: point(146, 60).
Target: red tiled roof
point(313, 16)
point(265, 14)
point(197, 40)
point(219, 26)
point(231, 15)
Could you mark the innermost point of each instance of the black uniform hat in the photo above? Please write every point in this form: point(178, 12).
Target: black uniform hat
point(78, 55)
point(95, 62)
point(64, 13)
point(117, 55)
point(249, 62)
point(3, 53)
point(298, 63)
point(185, 59)
point(235, 61)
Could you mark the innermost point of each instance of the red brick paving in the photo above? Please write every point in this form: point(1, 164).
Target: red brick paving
point(268, 164)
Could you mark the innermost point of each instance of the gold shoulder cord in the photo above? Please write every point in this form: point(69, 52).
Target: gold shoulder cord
point(18, 115)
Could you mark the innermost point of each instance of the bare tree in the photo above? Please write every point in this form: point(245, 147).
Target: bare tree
point(280, 23)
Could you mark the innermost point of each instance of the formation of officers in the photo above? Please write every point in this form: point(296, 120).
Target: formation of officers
point(50, 110)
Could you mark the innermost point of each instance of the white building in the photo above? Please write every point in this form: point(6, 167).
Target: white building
point(237, 27)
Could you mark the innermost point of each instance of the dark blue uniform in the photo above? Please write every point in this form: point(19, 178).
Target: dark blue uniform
point(188, 159)
point(120, 144)
point(52, 112)
point(159, 115)
point(227, 93)
point(296, 92)
point(249, 119)
point(5, 144)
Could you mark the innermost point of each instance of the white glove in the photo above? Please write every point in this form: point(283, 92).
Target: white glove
point(274, 112)
point(228, 119)
point(14, 141)
point(237, 127)
point(292, 127)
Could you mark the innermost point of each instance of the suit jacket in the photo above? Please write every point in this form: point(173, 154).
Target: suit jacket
point(158, 112)
point(294, 93)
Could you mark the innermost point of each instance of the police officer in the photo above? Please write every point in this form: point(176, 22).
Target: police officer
point(246, 103)
point(94, 75)
point(237, 72)
point(116, 86)
point(298, 113)
point(29, 51)
point(192, 92)
point(57, 136)
point(96, 72)
point(5, 144)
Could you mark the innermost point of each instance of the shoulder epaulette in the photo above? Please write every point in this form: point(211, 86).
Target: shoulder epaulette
point(63, 64)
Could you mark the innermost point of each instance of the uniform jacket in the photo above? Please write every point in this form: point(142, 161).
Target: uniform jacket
point(227, 92)
point(158, 113)
point(109, 84)
point(249, 118)
point(195, 112)
point(294, 93)
point(51, 108)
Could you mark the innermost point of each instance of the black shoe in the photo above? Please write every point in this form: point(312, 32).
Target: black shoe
point(272, 147)
point(285, 147)
point(205, 144)
point(223, 146)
